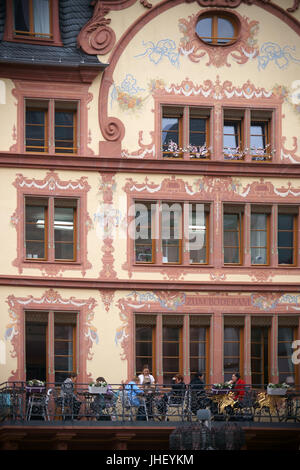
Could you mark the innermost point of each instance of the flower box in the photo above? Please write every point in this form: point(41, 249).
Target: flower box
point(93, 389)
point(34, 389)
point(220, 391)
point(276, 391)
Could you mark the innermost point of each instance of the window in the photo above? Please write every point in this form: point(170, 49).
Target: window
point(259, 356)
point(50, 229)
point(171, 233)
point(32, 18)
point(218, 28)
point(168, 345)
point(232, 243)
point(260, 234)
point(198, 348)
point(233, 357)
point(185, 132)
point(57, 135)
point(287, 235)
point(145, 346)
point(198, 234)
point(172, 351)
point(233, 134)
point(160, 228)
point(260, 131)
point(43, 348)
point(286, 336)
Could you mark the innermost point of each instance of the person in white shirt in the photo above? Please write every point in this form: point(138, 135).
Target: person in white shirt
point(145, 378)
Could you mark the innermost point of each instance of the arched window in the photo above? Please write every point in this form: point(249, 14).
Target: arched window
point(217, 28)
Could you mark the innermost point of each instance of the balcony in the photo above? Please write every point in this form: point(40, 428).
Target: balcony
point(50, 415)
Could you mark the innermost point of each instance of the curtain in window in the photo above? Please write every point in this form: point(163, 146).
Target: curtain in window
point(41, 17)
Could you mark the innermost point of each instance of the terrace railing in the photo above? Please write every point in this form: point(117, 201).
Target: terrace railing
point(50, 402)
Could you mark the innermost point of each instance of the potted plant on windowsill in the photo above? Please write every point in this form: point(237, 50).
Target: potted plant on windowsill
point(98, 387)
point(35, 385)
point(277, 389)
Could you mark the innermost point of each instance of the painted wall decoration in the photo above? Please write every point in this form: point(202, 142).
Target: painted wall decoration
point(50, 300)
point(107, 188)
point(281, 56)
point(165, 48)
point(129, 96)
point(244, 49)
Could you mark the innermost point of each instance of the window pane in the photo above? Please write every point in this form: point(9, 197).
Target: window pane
point(197, 349)
point(231, 255)
point(21, 15)
point(197, 139)
point(285, 256)
point(35, 231)
point(285, 222)
point(204, 29)
point(285, 334)
point(258, 256)
point(285, 239)
point(170, 334)
point(258, 221)
point(197, 124)
point(225, 30)
point(231, 221)
point(36, 349)
point(171, 252)
point(231, 333)
point(197, 333)
point(171, 364)
point(41, 17)
point(144, 333)
point(143, 253)
point(197, 365)
point(232, 349)
point(144, 349)
point(63, 332)
point(64, 348)
point(63, 363)
point(64, 232)
point(171, 349)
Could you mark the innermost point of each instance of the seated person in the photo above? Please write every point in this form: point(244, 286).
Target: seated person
point(198, 398)
point(238, 386)
point(68, 398)
point(134, 393)
point(145, 377)
point(175, 396)
point(102, 400)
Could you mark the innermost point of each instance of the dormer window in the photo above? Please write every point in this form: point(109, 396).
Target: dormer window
point(32, 18)
point(32, 21)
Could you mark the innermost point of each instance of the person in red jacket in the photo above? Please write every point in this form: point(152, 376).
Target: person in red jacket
point(238, 386)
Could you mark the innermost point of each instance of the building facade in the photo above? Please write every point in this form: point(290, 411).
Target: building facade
point(150, 189)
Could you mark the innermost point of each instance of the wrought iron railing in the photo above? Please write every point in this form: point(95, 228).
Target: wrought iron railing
point(51, 402)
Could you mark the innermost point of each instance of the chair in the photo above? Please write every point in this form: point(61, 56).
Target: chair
point(38, 405)
point(139, 411)
point(176, 404)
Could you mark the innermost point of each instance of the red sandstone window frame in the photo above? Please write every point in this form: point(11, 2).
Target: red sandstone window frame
point(215, 15)
point(49, 231)
point(49, 109)
point(185, 113)
point(184, 342)
point(77, 95)
point(52, 187)
point(157, 243)
point(54, 40)
point(51, 340)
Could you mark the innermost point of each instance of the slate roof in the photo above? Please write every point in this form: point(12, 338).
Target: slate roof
point(73, 15)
